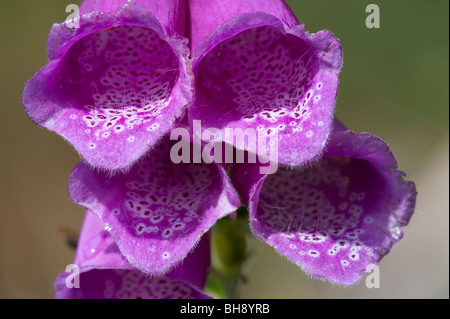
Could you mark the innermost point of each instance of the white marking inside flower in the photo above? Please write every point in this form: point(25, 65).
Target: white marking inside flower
point(165, 255)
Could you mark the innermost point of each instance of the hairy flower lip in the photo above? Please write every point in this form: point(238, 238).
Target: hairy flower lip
point(46, 106)
point(98, 258)
point(232, 28)
point(61, 38)
point(387, 206)
point(252, 20)
point(221, 11)
point(328, 56)
point(143, 216)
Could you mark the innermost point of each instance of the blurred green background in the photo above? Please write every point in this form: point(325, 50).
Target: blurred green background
point(394, 83)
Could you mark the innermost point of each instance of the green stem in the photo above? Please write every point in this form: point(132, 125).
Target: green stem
point(228, 255)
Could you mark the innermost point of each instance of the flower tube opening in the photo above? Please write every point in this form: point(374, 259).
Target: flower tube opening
point(261, 72)
point(158, 211)
point(340, 214)
point(115, 85)
point(255, 72)
point(127, 69)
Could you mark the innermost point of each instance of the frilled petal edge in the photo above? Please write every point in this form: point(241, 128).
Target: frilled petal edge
point(159, 210)
point(339, 216)
point(253, 76)
point(113, 87)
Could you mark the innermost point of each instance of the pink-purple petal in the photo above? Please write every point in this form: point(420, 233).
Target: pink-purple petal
point(207, 15)
point(105, 273)
point(114, 86)
point(336, 216)
point(170, 13)
point(159, 210)
point(259, 70)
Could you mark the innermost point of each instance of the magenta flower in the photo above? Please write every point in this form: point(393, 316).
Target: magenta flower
point(159, 210)
point(115, 85)
point(256, 68)
point(105, 273)
point(337, 216)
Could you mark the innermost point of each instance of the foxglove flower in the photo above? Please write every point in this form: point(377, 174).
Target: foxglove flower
point(256, 68)
point(336, 216)
point(105, 274)
point(158, 210)
point(115, 85)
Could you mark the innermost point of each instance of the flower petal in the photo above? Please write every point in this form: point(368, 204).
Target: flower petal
point(170, 13)
point(338, 215)
point(105, 274)
point(215, 13)
point(258, 69)
point(114, 86)
point(158, 211)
